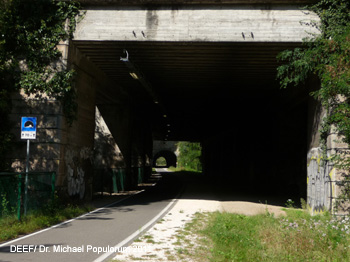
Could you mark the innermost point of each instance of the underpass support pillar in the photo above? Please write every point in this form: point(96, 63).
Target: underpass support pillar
point(324, 179)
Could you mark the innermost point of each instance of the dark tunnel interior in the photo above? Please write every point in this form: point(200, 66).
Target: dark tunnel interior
point(225, 96)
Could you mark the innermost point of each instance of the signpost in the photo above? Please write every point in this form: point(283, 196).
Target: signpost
point(28, 131)
point(28, 128)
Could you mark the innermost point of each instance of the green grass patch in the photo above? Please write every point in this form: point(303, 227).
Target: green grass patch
point(12, 228)
point(184, 169)
point(296, 237)
point(190, 244)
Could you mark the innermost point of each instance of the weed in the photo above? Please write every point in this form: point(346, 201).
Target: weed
point(136, 258)
point(161, 221)
point(290, 203)
point(150, 256)
point(147, 237)
point(11, 227)
point(4, 205)
point(182, 251)
point(303, 203)
point(296, 237)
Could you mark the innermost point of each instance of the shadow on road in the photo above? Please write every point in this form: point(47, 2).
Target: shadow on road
point(196, 186)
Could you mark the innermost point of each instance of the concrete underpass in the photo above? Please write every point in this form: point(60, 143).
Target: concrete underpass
point(195, 72)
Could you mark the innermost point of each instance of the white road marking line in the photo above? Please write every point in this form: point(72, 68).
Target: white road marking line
point(138, 232)
point(66, 222)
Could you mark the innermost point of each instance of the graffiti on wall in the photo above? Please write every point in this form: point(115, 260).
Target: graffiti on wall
point(75, 171)
point(320, 188)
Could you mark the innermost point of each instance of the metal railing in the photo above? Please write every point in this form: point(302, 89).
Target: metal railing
point(114, 180)
point(24, 192)
point(118, 179)
point(109, 180)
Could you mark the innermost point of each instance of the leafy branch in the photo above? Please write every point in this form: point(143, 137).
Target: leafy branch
point(29, 57)
point(326, 55)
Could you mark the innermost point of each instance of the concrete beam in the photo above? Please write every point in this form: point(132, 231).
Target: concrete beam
point(196, 23)
point(192, 2)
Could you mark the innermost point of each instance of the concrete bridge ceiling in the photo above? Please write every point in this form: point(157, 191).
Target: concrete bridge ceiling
point(190, 2)
point(201, 85)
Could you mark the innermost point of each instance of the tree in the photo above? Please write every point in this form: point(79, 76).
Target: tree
point(29, 34)
point(190, 155)
point(326, 55)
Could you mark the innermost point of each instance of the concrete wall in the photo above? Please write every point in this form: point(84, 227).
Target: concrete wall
point(69, 150)
point(110, 127)
point(324, 178)
point(159, 145)
point(77, 150)
point(190, 2)
point(45, 149)
point(236, 23)
point(166, 149)
point(130, 132)
point(107, 152)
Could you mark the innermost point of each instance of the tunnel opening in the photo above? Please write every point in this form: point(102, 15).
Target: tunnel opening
point(165, 159)
point(262, 149)
point(161, 162)
point(254, 135)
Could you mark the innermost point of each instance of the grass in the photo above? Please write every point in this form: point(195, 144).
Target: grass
point(296, 237)
point(182, 169)
point(190, 244)
point(12, 228)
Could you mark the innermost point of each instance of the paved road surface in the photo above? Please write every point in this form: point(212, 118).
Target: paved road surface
point(103, 229)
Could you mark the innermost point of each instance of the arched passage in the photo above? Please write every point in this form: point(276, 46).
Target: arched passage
point(169, 156)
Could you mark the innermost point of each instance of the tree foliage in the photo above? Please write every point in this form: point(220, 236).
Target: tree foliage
point(190, 156)
point(326, 55)
point(29, 59)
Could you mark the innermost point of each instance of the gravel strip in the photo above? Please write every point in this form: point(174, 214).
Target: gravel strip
point(160, 242)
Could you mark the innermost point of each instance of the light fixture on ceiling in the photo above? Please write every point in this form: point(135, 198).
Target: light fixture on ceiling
point(134, 75)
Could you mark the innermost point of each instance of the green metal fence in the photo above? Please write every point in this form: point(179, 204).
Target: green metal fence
point(118, 179)
point(114, 180)
point(140, 175)
point(24, 192)
point(111, 180)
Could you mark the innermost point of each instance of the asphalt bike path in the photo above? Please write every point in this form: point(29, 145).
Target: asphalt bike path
point(97, 235)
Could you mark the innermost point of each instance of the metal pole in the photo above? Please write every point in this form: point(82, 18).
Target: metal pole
point(114, 180)
point(121, 177)
point(53, 182)
point(19, 196)
point(26, 180)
